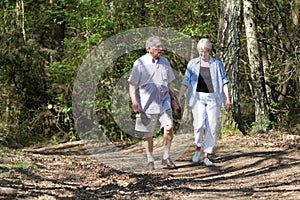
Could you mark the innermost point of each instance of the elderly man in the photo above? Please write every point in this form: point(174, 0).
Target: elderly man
point(153, 98)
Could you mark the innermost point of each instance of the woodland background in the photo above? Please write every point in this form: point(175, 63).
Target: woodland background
point(43, 44)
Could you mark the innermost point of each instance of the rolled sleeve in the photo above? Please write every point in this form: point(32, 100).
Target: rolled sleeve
point(223, 74)
point(186, 79)
point(171, 75)
point(134, 77)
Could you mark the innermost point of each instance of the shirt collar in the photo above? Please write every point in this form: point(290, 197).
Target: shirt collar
point(153, 59)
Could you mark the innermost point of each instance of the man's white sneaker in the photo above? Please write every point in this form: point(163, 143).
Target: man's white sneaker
point(207, 162)
point(196, 156)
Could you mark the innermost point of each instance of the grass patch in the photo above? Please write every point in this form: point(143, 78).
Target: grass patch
point(14, 160)
point(230, 130)
point(25, 165)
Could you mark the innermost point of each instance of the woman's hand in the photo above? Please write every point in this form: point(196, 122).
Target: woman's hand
point(228, 105)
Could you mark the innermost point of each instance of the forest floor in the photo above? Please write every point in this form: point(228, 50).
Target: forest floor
point(261, 166)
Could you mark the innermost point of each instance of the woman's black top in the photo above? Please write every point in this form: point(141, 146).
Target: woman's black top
point(204, 81)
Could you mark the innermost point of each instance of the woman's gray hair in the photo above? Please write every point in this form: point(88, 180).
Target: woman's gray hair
point(204, 43)
point(151, 41)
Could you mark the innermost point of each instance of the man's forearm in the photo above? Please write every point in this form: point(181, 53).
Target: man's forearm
point(171, 92)
point(132, 92)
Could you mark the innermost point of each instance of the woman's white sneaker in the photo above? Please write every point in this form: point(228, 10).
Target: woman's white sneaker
point(207, 162)
point(196, 156)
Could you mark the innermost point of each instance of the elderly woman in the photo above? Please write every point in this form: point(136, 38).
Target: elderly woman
point(207, 88)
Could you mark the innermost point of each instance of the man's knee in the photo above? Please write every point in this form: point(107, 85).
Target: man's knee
point(148, 135)
point(168, 132)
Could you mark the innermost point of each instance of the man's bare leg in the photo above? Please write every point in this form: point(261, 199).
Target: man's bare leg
point(148, 143)
point(168, 137)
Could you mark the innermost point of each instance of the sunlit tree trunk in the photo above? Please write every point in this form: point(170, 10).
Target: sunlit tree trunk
point(187, 117)
point(295, 12)
point(21, 16)
point(256, 67)
point(229, 46)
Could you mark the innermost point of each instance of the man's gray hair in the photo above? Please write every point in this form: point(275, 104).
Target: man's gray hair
point(151, 41)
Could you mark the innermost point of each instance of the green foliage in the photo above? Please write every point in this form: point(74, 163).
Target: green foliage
point(30, 85)
point(263, 123)
point(279, 115)
point(37, 73)
point(231, 130)
point(104, 95)
point(282, 1)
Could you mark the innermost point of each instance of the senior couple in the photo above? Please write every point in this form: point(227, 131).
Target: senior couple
point(154, 100)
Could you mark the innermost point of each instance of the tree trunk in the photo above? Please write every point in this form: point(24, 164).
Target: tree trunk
point(187, 117)
point(21, 14)
point(256, 67)
point(57, 34)
point(295, 12)
point(7, 113)
point(229, 43)
point(266, 68)
point(295, 18)
point(285, 31)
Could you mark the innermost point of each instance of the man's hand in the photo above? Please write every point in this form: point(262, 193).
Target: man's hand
point(174, 105)
point(135, 107)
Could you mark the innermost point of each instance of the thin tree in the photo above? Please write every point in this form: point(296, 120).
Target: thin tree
point(256, 67)
point(229, 43)
point(21, 14)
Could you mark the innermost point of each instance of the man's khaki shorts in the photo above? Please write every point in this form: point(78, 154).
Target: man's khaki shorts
point(147, 122)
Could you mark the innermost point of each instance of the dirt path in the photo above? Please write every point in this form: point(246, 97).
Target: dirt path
point(256, 167)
